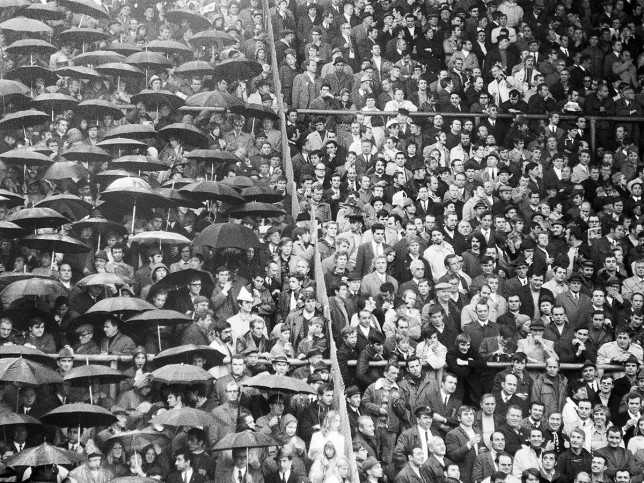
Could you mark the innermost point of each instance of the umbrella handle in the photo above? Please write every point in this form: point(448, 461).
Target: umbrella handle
point(133, 215)
point(159, 334)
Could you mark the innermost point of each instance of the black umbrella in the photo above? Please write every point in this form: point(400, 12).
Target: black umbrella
point(157, 318)
point(155, 99)
point(14, 198)
point(25, 157)
point(100, 225)
point(77, 35)
point(15, 350)
point(183, 355)
point(132, 131)
point(179, 199)
point(120, 69)
point(44, 455)
point(29, 73)
point(255, 208)
point(98, 57)
point(78, 72)
point(34, 218)
point(212, 190)
point(257, 111)
point(85, 7)
point(136, 162)
point(213, 99)
point(227, 235)
point(180, 279)
point(28, 46)
point(80, 415)
point(87, 153)
point(54, 242)
point(171, 47)
point(23, 119)
point(197, 21)
point(52, 101)
point(96, 108)
point(186, 133)
point(121, 143)
point(26, 25)
point(239, 182)
point(195, 67)
point(10, 230)
point(43, 11)
point(237, 69)
point(148, 60)
point(124, 48)
point(66, 170)
point(209, 38)
point(265, 195)
point(69, 204)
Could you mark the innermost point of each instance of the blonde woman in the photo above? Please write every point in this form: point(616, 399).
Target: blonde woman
point(329, 432)
point(325, 464)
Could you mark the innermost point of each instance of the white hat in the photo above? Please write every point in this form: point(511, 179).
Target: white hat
point(245, 295)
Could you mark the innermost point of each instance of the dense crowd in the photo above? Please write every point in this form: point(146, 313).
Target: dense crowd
point(447, 241)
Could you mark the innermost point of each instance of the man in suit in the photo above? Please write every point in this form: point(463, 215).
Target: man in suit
point(464, 443)
point(367, 251)
point(533, 291)
point(411, 471)
point(433, 469)
point(485, 464)
point(185, 473)
point(507, 397)
point(572, 299)
point(197, 332)
point(417, 436)
point(306, 86)
point(239, 472)
point(284, 472)
point(445, 404)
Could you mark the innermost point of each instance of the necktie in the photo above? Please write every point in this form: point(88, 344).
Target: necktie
point(446, 401)
point(240, 476)
point(185, 478)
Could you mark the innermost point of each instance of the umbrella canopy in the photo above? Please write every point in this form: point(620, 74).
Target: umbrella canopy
point(273, 382)
point(121, 143)
point(108, 176)
point(246, 439)
point(212, 190)
point(67, 170)
point(7, 278)
point(96, 108)
point(69, 204)
point(85, 7)
point(212, 156)
point(161, 237)
point(42, 455)
point(181, 374)
point(33, 287)
point(197, 21)
point(211, 38)
point(124, 48)
point(81, 375)
point(183, 417)
point(179, 199)
point(239, 183)
point(148, 60)
point(28, 73)
point(152, 318)
point(87, 153)
point(180, 279)
point(213, 99)
point(155, 99)
point(77, 35)
point(54, 242)
point(23, 351)
point(175, 184)
point(8, 419)
point(137, 162)
point(79, 415)
point(33, 218)
point(195, 67)
point(79, 72)
point(26, 25)
point(265, 195)
point(227, 235)
point(100, 225)
point(31, 46)
point(25, 157)
point(258, 111)
point(13, 89)
point(105, 278)
point(24, 371)
point(184, 354)
point(9, 229)
point(169, 47)
point(120, 305)
point(13, 199)
point(132, 131)
point(98, 57)
point(138, 440)
point(186, 133)
point(43, 11)
point(120, 69)
point(23, 119)
point(237, 69)
point(54, 101)
point(255, 208)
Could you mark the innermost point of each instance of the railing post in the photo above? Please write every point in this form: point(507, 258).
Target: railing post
point(593, 134)
point(114, 387)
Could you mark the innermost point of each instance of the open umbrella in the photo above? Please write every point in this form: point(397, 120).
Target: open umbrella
point(8, 419)
point(10, 230)
point(124, 48)
point(78, 72)
point(54, 101)
point(98, 57)
point(155, 99)
point(78, 35)
point(96, 109)
point(29, 73)
point(104, 278)
point(227, 235)
point(246, 439)
point(26, 25)
point(23, 119)
point(26, 372)
point(120, 69)
point(7, 278)
point(160, 237)
point(137, 162)
point(237, 69)
point(68, 204)
point(194, 68)
point(25, 46)
point(265, 195)
point(83, 376)
point(180, 279)
point(179, 198)
point(87, 153)
point(100, 225)
point(25, 157)
point(80, 415)
point(23, 351)
point(67, 170)
point(148, 60)
point(213, 99)
point(128, 192)
point(171, 47)
point(138, 440)
point(120, 305)
point(282, 384)
point(43, 11)
point(54, 242)
point(181, 374)
point(132, 131)
point(157, 318)
point(257, 111)
point(212, 190)
point(255, 208)
point(212, 156)
point(183, 417)
point(47, 288)
point(85, 7)
point(183, 354)
point(34, 218)
point(197, 21)
point(175, 184)
point(212, 38)
point(187, 133)
point(42, 455)
point(121, 143)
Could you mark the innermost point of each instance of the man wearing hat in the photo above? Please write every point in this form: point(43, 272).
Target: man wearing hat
point(86, 343)
point(535, 346)
point(314, 357)
point(92, 470)
point(284, 472)
point(417, 436)
point(572, 300)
